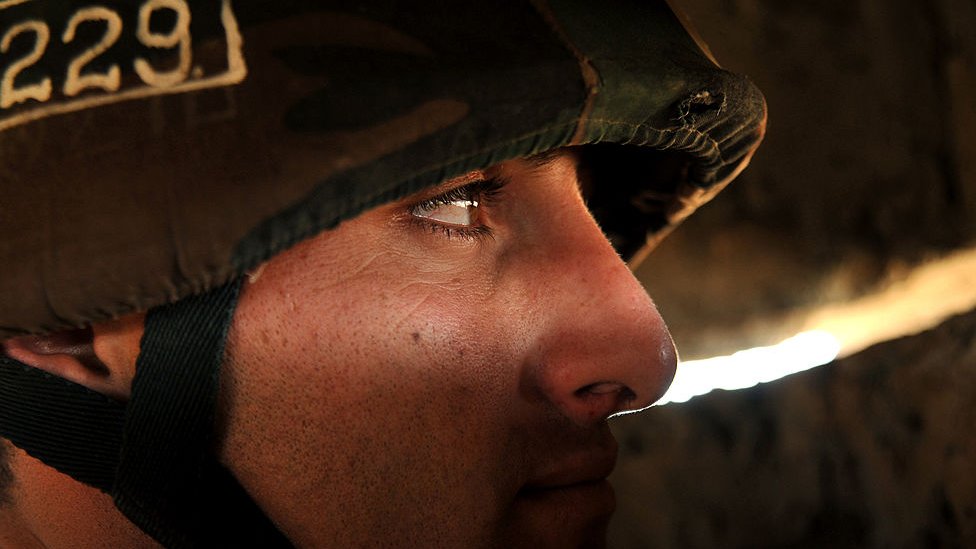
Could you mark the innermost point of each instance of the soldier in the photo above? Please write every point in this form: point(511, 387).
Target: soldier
point(332, 274)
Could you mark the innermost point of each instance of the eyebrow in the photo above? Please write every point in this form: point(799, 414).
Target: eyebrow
point(545, 159)
point(538, 161)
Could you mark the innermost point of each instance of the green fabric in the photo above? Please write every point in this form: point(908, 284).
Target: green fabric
point(278, 119)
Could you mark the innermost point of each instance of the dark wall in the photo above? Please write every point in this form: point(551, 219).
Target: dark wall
point(869, 168)
point(877, 450)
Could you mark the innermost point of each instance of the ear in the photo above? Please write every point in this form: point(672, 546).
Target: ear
point(101, 357)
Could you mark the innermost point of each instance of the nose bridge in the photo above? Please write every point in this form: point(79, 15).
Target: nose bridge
point(606, 349)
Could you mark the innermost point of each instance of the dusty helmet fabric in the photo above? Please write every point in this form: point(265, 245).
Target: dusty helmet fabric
point(156, 149)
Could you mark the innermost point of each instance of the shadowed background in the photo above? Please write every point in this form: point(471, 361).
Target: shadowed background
point(858, 216)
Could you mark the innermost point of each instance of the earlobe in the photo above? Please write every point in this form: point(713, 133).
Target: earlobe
point(101, 357)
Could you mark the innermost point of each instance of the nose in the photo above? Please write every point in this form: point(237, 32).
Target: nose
point(603, 348)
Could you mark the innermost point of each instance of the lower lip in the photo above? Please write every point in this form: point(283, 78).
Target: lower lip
point(586, 499)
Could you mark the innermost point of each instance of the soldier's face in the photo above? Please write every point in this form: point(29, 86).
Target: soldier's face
point(438, 372)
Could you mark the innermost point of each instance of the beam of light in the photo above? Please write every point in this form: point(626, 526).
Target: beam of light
point(752, 366)
point(922, 299)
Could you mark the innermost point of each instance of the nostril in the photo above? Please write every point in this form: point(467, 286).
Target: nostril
point(598, 401)
point(624, 393)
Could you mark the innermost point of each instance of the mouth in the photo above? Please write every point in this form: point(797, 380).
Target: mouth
point(576, 485)
point(571, 515)
point(565, 499)
point(588, 498)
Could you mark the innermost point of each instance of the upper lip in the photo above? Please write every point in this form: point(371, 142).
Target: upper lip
point(574, 468)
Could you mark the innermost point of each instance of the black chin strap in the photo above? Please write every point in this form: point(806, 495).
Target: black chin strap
point(67, 426)
point(168, 482)
point(155, 455)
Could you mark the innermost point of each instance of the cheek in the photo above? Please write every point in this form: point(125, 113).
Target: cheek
point(390, 364)
point(397, 307)
point(337, 320)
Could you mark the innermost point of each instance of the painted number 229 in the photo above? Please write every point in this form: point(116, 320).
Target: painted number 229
point(77, 79)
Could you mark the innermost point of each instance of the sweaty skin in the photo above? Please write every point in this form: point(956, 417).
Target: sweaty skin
point(436, 372)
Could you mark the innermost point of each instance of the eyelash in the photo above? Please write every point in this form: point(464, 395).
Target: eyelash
point(484, 192)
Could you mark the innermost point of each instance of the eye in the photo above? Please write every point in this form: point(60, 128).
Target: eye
point(462, 212)
point(459, 211)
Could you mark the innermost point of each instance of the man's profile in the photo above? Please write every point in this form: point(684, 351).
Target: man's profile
point(337, 276)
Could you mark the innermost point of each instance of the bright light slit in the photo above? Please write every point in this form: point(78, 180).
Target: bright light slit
point(922, 299)
point(752, 366)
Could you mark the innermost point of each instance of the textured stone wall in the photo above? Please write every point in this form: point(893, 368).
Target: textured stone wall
point(876, 450)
